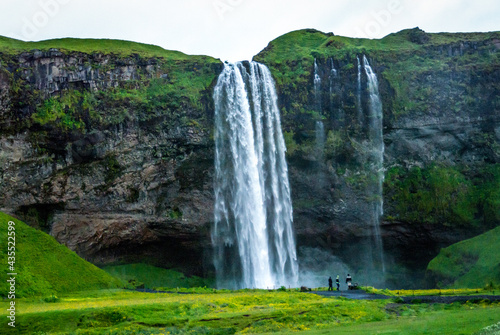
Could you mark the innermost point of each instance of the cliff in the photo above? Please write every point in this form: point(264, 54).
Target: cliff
point(108, 145)
point(441, 129)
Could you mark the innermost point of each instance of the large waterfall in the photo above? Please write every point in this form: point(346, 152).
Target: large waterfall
point(252, 236)
point(375, 136)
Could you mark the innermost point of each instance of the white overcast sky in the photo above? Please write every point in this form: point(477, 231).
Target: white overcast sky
point(236, 29)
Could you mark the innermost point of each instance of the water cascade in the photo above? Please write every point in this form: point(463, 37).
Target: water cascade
point(332, 75)
point(317, 86)
point(376, 140)
point(358, 103)
point(320, 140)
point(252, 235)
point(320, 156)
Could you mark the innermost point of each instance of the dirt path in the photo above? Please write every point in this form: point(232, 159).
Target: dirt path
point(436, 299)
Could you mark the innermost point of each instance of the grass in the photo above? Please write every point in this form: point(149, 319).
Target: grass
point(44, 266)
point(470, 263)
point(154, 277)
point(242, 312)
point(454, 322)
point(487, 290)
point(89, 46)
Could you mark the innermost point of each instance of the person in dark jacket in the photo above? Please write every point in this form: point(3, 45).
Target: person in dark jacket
point(330, 284)
point(348, 281)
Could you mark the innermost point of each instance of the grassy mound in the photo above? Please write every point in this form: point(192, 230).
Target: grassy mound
point(44, 266)
point(91, 45)
point(470, 263)
point(154, 277)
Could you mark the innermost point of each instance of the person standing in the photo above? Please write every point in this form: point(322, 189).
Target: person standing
point(338, 282)
point(348, 281)
point(330, 284)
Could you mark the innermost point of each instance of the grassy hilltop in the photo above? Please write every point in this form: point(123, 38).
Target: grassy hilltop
point(45, 267)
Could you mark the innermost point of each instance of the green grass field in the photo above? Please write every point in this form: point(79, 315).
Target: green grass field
point(243, 312)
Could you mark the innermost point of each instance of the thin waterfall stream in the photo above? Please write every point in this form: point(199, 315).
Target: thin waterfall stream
point(375, 136)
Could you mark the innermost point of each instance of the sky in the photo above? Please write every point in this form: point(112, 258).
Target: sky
point(236, 29)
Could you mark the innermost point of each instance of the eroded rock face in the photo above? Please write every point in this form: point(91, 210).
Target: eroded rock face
point(53, 71)
point(94, 211)
point(130, 192)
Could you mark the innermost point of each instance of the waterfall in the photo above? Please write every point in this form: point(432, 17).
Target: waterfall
point(332, 75)
point(252, 234)
point(317, 86)
point(375, 136)
point(358, 102)
point(320, 140)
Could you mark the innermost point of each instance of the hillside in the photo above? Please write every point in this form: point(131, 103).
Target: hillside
point(471, 263)
point(45, 267)
point(89, 45)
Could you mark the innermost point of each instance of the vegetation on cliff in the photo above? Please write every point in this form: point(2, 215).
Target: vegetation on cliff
point(448, 195)
point(44, 267)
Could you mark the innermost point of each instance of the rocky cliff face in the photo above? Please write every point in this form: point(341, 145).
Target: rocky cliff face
point(440, 98)
point(113, 153)
point(113, 181)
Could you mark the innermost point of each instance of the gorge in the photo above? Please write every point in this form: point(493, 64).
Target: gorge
point(110, 148)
